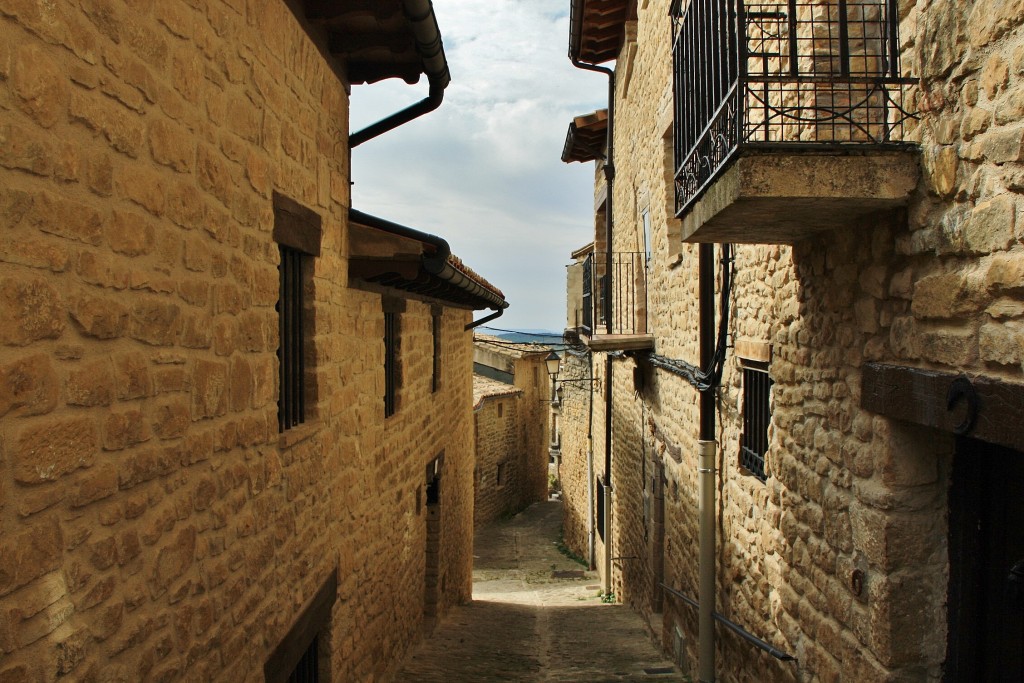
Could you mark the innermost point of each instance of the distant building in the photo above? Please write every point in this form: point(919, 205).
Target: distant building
point(511, 379)
point(235, 413)
point(804, 302)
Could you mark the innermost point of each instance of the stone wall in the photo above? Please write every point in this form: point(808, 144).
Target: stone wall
point(502, 468)
point(155, 524)
point(573, 470)
point(840, 558)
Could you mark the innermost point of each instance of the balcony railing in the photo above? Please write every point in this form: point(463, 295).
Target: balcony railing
point(785, 74)
point(628, 309)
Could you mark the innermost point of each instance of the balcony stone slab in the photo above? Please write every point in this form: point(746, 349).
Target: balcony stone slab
point(620, 342)
point(782, 197)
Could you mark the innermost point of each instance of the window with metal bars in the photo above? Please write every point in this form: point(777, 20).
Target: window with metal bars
point(308, 668)
point(298, 657)
point(435, 329)
point(291, 403)
point(391, 338)
point(297, 232)
point(757, 415)
point(393, 309)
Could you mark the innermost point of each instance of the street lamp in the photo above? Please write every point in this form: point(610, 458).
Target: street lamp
point(553, 361)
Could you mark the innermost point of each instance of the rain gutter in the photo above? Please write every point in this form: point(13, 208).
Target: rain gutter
point(420, 15)
point(436, 262)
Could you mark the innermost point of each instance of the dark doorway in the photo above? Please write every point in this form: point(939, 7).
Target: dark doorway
point(986, 552)
point(433, 586)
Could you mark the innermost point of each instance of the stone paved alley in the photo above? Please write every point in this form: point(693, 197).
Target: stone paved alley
point(524, 624)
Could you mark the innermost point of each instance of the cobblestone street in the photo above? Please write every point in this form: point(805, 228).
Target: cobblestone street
point(535, 616)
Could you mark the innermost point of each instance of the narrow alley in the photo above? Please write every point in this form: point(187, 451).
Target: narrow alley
point(536, 615)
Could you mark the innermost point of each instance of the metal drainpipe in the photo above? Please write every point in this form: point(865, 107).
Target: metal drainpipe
point(706, 538)
point(590, 470)
point(420, 14)
point(609, 175)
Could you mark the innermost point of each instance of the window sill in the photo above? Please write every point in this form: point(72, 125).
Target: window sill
point(295, 435)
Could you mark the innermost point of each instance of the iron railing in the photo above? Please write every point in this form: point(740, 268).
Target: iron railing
point(588, 295)
point(628, 309)
point(788, 73)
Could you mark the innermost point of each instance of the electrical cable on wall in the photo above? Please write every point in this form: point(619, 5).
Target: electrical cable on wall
point(708, 378)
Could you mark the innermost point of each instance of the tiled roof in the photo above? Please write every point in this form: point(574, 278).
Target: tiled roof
point(507, 348)
point(485, 387)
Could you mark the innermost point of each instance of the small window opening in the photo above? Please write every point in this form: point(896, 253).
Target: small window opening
point(435, 331)
point(393, 309)
point(297, 233)
point(756, 417)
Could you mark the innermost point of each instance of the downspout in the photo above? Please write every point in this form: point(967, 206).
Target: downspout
point(706, 469)
point(420, 14)
point(590, 470)
point(609, 175)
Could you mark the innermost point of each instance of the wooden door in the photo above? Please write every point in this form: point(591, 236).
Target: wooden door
point(986, 546)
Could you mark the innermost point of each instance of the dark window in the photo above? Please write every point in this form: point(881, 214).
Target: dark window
point(392, 337)
point(308, 669)
point(297, 232)
point(757, 414)
point(500, 476)
point(291, 356)
point(501, 409)
point(435, 329)
point(393, 309)
point(296, 659)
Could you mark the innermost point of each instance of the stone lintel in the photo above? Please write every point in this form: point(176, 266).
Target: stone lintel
point(782, 196)
point(755, 350)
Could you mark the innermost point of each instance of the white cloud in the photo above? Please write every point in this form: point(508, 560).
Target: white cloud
point(483, 171)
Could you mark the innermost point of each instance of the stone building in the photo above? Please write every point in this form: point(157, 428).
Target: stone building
point(804, 310)
point(512, 394)
point(235, 413)
point(502, 468)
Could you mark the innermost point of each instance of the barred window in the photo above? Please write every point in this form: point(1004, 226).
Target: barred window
point(757, 415)
point(297, 232)
point(298, 658)
point(291, 356)
point(435, 329)
point(393, 309)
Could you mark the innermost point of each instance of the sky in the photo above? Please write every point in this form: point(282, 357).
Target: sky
point(484, 170)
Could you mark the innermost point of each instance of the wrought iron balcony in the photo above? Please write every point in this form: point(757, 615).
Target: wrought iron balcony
point(777, 80)
point(622, 323)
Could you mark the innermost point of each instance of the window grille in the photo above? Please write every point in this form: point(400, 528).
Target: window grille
point(297, 233)
point(308, 668)
point(756, 417)
point(297, 658)
point(435, 329)
point(291, 404)
point(391, 369)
